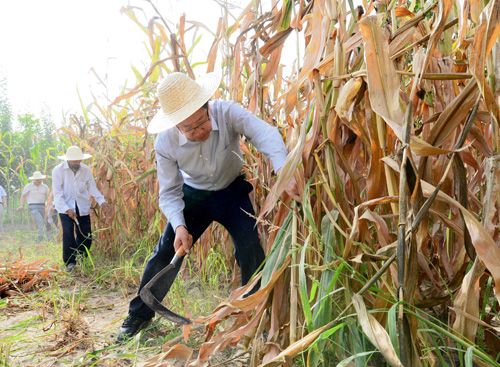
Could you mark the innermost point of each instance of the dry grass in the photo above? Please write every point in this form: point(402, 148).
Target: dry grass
point(20, 276)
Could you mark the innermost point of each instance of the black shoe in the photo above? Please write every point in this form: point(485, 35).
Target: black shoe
point(131, 326)
point(70, 267)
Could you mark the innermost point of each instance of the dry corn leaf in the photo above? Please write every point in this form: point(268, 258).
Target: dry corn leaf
point(381, 225)
point(382, 79)
point(212, 54)
point(401, 11)
point(383, 84)
point(467, 301)
point(312, 55)
point(475, 10)
point(186, 330)
point(247, 310)
point(491, 211)
point(348, 93)
point(356, 220)
point(298, 347)
point(375, 332)
point(485, 36)
point(454, 114)
point(178, 351)
point(484, 245)
point(235, 305)
point(444, 7)
point(285, 174)
point(399, 42)
point(272, 65)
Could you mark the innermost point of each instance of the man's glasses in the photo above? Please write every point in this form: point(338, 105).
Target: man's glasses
point(205, 119)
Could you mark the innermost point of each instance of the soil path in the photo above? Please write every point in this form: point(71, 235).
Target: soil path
point(72, 321)
point(61, 322)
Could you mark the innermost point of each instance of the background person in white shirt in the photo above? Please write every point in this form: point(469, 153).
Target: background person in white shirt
point(36, 193)
point(3, 205)
point(199, 164)
point(73, 185)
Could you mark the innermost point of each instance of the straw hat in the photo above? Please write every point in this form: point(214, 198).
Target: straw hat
point(180, 97)
point(74, 153)
point(37, 175)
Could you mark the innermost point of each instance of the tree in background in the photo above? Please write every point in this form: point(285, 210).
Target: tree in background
point(27, 143)
point(5, 113)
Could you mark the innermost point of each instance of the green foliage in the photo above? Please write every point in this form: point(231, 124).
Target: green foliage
point(279, 251)
point(27, 145)
point(214, 270)
point(5, 112)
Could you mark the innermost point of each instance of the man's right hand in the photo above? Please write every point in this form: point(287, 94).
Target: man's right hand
point(71, 213)
point(183, 239)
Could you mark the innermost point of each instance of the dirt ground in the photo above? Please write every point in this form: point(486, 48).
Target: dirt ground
point(61, 321)
point(72, 320)
point(44, 338)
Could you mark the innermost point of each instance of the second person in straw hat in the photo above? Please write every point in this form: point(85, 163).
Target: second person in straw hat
point(199, 164)
point(73, 185)
point(35, 194)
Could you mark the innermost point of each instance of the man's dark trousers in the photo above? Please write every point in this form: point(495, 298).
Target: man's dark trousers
point(232, 208)
point(79, 244)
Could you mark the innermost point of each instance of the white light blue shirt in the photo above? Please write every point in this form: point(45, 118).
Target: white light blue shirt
point(36, 194)
point(69, 188)
point(214, 163)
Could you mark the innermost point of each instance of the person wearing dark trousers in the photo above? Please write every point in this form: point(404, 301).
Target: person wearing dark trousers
point(227, 207)
point(73, 185)
point(77, 239)
point(199, 164)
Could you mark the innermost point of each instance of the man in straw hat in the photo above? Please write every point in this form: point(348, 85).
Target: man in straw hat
point(199, 164)
point(73, 184)
point(36, 193)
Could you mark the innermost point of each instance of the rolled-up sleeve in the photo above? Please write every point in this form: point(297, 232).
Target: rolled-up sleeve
point(264, 137)
point(170, 180)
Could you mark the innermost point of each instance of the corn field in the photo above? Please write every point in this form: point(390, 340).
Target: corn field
point(390, 114)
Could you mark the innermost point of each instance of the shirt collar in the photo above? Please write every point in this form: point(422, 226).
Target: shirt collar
point(215, 127)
